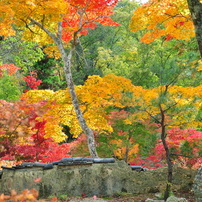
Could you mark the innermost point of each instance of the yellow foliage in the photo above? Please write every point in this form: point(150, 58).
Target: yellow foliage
point(52, 51)
point(182, 104)
point(41, 95)
point(6, 21)
point(123, 151)
point(48, 12)
point(56, 132)
point(163, 18)
point(198, 65)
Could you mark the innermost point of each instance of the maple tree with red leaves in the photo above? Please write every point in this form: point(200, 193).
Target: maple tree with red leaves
point(24, 139)
point(185, 146)
point(61, 21)
point(31, 81)
point(86, 14)
point(39, 148)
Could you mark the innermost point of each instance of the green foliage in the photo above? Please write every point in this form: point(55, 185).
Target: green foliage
point(126, 135)
point(119, 51)
point(172, 61)
point(50, 71)
point(22, 53)
point(186, 149)
point(10, 88)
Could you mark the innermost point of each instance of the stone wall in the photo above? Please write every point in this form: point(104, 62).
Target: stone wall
point(94, 179)
point(197, 187)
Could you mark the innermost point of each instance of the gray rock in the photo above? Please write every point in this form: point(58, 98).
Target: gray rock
point(197, 187)
point(88, 200)
point(170, 199)
point(175, 199)
point(153, 200)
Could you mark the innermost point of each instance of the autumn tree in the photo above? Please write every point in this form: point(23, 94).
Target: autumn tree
point(22, 136)
point(169, 113)
point(165, 106)
point(58, 22)
point(94, 97)
point(171, 22)
point(14, 122)
point(195, 8)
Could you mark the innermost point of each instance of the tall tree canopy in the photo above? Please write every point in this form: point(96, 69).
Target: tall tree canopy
point(62, 21)
point(163, 18)
point(180, 19)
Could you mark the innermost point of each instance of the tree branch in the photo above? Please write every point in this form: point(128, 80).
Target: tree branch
point(44, 29)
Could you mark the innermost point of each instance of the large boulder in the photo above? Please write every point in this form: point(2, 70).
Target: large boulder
point(101, 179)
point(197, 187)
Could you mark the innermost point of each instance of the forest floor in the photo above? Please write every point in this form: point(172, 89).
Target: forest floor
point(128, 198)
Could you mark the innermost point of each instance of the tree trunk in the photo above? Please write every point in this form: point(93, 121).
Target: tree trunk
point(170, 166)
point(167, 151)
point(195, 8)
point(67, 68)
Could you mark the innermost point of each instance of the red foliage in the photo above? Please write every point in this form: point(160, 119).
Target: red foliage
point(152, 162)
point(85, 14)
point(177, 139)
point(117, 115)
point(179, 24)
point(37, 147)
point(32, 81)
point(169, 37)
point(40, 149)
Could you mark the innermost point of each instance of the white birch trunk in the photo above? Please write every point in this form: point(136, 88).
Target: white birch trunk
point(67, 69)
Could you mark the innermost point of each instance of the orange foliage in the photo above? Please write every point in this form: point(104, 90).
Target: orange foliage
point(124, 151)
point(8, 68)
point(25, 195)
point(163, 18)
point(76, 17)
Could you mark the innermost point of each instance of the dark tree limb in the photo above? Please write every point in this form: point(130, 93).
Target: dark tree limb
point(195, 8)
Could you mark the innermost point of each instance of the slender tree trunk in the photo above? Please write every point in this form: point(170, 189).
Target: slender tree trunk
point(168, 159)
point(128, 147)
point(67, 69)
point(170, 166)
point(195, 8)
point(126, 154)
